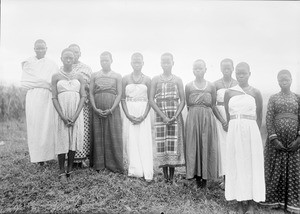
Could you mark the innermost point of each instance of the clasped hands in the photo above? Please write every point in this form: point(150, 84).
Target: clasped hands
point(135, 120)
point(103, 113)
point(69, 121)
point(293, 146)
point(169, 121)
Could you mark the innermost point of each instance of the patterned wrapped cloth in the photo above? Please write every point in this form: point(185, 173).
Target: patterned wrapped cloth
point(168, 138)
point(86, 72)
point(282, 169)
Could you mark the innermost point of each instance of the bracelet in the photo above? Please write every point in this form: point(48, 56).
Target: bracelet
point(272, 137)
point(54, 98)
point(110, 111)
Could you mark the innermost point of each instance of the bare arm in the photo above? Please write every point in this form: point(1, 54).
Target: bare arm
point(187, 94)
point(118, 97)
point(55, 101)
point(214, 108)
point(92, 95)
point(259, 107)
point(123, 100)
point(227, 97)
point(181, 97)
point(82, 99)
point(152, 102)
point(148, 84)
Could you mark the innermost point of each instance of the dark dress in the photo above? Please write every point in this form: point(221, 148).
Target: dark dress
point(108, 142)
point(201, 134)
point(282, 169)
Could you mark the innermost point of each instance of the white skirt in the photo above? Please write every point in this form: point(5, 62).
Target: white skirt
point(138, 139)
point(40, 125)
point(245, 178)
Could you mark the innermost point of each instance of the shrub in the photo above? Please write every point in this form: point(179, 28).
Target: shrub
point(12, 103)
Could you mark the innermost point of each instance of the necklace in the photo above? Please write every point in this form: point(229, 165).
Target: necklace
point(200, 89)
point(69, 75)
point(166, 79)
point(139, 80)
point(106, 74)
point(227, 86)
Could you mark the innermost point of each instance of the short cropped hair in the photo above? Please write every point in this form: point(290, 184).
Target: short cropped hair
point(226, 60)
point(39, 41)
point(74, 45)
point(200, 60)
point(137, 54)
point(168, 54)
point(67, 50)
point(106, 53)
point(284, 71)
point(243, 64)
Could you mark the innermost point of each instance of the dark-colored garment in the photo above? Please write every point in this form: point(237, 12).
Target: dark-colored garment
point(282, 169)
point(168, 138)
point(201, 135)
point(108, 142)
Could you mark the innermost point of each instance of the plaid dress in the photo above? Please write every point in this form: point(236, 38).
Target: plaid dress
point(168, 138)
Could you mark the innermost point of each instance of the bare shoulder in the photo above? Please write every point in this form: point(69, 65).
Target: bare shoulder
point(256, 92)
point(126, 78)
point(116, 75)
point(177, 79)
point(155, 79)
point(56, 76)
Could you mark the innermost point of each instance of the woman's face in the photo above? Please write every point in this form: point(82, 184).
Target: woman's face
point(284, 81)
point(105, 62)
point(68, 58)
point(242, 75)
point(199, 69)
point(40, 50)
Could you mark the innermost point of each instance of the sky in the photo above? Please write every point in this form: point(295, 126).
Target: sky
point(265, 34)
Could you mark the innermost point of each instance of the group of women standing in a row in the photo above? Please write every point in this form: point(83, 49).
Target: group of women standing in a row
point(221, 135)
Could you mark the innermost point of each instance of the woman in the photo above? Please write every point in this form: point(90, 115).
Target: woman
point(282, 153)
point(36, 79)
point(221, 86)
point(68, 99)
point(244, 149)
point(201, 130)
point(105, 96)
point(86, 72)
point(167, 100)
point(136, 88)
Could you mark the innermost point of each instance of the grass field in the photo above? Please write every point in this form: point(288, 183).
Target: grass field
point(30, 188)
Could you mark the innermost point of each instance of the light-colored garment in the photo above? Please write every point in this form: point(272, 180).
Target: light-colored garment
point(244, 152)
point(138, 137)
point(221, 133)
point(68, 138)
point(36, 78)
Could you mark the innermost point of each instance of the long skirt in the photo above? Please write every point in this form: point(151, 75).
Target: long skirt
point(139, 142)
point(221, 142)
point(244, 162)
point(87, 116)
point(201, 143)
point(108, 142)
point(40, 125)
point(69, 138)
